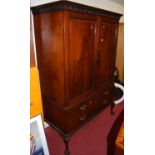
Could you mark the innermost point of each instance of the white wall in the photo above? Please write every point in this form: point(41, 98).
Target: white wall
point(103, 4)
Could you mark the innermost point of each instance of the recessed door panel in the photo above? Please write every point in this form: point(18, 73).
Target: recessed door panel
point(81, 56)
point(105, 53)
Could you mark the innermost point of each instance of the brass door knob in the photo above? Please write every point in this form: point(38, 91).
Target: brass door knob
point(91, 27)
point(102, 40)
point(90, 102)
point(103, 26)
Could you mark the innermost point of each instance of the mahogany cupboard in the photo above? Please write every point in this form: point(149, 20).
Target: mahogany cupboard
point(75, 47)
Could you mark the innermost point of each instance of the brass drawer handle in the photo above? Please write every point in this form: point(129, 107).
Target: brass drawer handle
point(91, 27)
point(107, 92)
point(105, 102)
point(82, 118)
point(83, 108)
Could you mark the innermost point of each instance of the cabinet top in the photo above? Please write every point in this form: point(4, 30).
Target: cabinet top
point(72, 6)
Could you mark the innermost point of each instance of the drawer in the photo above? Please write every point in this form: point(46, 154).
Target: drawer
point(80, 109)
point(76, 122)
point(92, 108)
point(35, 103)
point(99, 104)
point(34, 79)
point(103, 99)
point(107, 90)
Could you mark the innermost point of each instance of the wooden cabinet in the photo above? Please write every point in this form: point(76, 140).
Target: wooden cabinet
point(76, 47)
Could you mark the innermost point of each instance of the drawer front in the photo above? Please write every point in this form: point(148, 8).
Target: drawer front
point(108, 90)
point(92, 108)
point(83, 111)
point(76, 122)
point(104, 97)
point(102, 100)
point(35, 103)
point(80, 109)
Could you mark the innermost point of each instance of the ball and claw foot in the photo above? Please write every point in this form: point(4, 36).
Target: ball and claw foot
point(66, 152)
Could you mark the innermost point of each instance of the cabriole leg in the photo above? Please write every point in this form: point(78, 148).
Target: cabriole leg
point(66, 141)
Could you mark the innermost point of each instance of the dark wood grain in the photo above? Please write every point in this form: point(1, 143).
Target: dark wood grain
point(105, 53)
point(76, 57)
point(50, 54)
point(81, 54)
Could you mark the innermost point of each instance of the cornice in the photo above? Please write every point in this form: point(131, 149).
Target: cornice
point(71, 6)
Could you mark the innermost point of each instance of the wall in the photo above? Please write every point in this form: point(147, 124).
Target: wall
point(120, 51)
point(33, 61)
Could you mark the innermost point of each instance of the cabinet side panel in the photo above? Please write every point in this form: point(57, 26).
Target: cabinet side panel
point(50, 55)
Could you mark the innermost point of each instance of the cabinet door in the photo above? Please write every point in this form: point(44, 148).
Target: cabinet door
point(105, 53)
point(81, 55)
